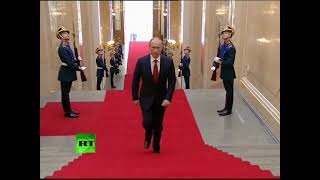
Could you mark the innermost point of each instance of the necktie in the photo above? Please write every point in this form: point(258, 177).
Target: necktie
point(155, 72)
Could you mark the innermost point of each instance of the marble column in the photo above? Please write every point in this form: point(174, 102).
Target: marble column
point(118, 21)
point(91, 40)
point(105, 20)
point(156, 18)
point(192, 21)
point(105, 17)
point(44, 48)
point(174, 12)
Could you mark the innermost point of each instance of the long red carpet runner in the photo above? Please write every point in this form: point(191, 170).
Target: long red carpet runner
point(117, 124)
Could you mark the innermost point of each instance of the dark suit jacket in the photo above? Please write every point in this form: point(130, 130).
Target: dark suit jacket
point(67, 73)
point(185, 66)
point(227, 70)
point(114, 65)
point(151, 92)
point(100, 72)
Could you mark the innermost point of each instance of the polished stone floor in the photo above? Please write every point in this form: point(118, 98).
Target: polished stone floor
point(242, 134)
point(56, 152)
point(243, 127)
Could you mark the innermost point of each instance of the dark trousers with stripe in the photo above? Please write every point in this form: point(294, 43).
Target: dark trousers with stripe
point(99, 80)
point(65, 99)
point(228, 86)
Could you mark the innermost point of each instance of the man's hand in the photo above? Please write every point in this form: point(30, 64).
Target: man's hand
point(136, 102)
point(82, 68)
point(165, 103)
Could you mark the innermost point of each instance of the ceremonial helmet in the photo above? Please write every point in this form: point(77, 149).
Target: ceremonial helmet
point(230, 29)
point(99, 49)
point(60, 30)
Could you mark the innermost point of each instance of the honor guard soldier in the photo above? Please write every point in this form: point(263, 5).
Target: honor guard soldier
point(101, 67)
point(227, 54)
point(184, 66)
point(113, 69)
point(67, 72)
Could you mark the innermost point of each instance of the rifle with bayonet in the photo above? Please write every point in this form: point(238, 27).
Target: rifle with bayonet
point(104, 62)
point(82, 75)
point(215, 64)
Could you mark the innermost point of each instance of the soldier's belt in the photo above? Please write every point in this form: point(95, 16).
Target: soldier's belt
point(99, 68)
point(63, 64)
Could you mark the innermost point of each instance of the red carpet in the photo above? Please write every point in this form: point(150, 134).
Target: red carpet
point(120, 151)
point(140, 49)
point(136, 50)
point(52, 122)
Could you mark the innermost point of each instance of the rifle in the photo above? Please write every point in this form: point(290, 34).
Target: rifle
point(179, 75)
point(83, 76)
point(215, 64)
point(104, 62)
point(180, 68)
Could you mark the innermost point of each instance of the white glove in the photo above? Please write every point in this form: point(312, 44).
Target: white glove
point(79, 58)
point(216, 59)
point(83, 68)
point(180, 64)
point(213, 68)
point(179, 70)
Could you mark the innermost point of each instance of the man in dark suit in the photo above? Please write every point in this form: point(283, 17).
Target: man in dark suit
point(158, 84)
point(101, 67)
point(67, 72)
point(226, 58)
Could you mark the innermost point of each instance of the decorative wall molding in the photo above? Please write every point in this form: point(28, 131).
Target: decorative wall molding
point(263, 101)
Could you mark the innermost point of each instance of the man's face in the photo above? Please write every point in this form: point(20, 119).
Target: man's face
point(100, 53)
point(65, 35)
point(155, 47)
point(226, 35)
point(186, 51)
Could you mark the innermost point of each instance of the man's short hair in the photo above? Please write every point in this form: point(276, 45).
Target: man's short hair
point(153, 39)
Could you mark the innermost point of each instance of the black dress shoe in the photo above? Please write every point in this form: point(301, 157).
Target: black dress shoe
point(156, 148)
point(75, 112)
point(147, 144)
point(220, 111)
point(225, 113)
point(71, 115)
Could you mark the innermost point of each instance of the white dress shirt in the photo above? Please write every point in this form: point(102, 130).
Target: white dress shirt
point(152, 63)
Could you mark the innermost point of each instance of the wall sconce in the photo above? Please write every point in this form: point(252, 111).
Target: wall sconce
point(221, 11)
point(170, 46)
point(172, 41)
point(263, 40)
point(110, 45)
point(58, 13)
